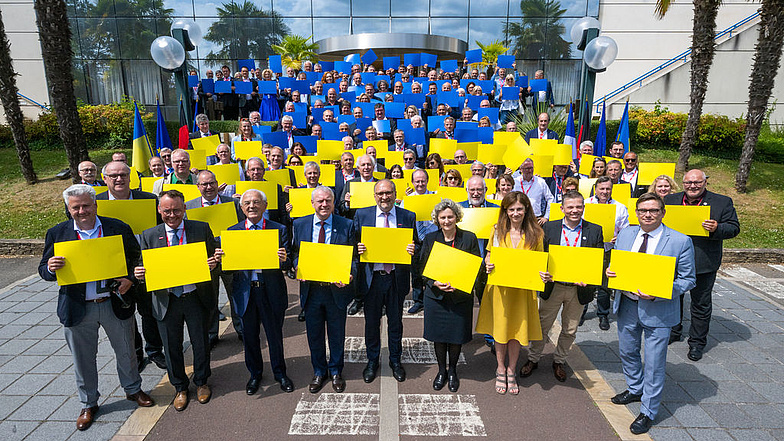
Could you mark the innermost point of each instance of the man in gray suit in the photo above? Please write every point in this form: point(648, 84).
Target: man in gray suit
point(641, 314)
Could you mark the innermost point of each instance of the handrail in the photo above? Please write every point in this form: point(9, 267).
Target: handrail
point(43, 106)
point(682, 56)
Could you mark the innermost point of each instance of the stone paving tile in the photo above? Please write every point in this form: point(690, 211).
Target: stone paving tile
point(9, 404)
point(751, 435)
point(40, 332)
point(53, 431)
point(28, 384)
point(68, 411)
point(6, 379)
point(773, 392)
point(16, 430)
point(691, 415)
point(16, 346)
point(764, 416)
point(709, 434)
point(730, 415)
point(24, 306)
point(61, 385)
point(45, 347)
point(670, 434)
point(21, 364)
point(12, 331)
point(54, 364)
point(99, 431)
point(37, 408)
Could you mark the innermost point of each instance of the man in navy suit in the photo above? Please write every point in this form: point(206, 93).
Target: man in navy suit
point(384, 284)
point(640, 314)
point(203, 123)
point(260, 297)
point(83, 307)
point(399, 143)
point(541, 131)
point(325, 303)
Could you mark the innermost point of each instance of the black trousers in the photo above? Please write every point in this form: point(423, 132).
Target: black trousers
point(383, 292)
point(152, 337)
point(701, 310)
point(185, 310)
point(262, 312)
point(322, 312)
point(213, 317)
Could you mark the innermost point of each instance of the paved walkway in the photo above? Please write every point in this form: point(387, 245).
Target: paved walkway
point(735, 393)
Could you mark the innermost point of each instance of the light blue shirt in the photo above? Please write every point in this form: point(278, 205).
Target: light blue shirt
point(181, 241)
point(327, 229)
point(572, 234)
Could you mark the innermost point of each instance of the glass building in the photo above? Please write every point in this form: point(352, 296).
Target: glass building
point(111, 38)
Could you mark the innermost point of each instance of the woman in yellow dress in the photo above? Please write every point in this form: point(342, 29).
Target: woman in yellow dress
point(511, 315)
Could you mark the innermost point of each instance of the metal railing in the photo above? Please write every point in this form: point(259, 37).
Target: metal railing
point(43, 106)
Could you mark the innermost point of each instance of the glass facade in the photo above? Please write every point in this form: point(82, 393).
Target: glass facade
point(111, 38)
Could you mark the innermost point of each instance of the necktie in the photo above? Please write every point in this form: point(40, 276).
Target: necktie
point(387, 266)
point(541, 135)
point(322, 233)
point(644, 246)
point(254, 227)
point(209, 203)
point(177, 290)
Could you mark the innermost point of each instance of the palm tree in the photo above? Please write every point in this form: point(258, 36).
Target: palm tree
point(767, 56)
point(261, 31)
point(702, 49)
point(490, 52)
point(54, 33)
point(538, 35)
point(13, 113)
point(294, 49)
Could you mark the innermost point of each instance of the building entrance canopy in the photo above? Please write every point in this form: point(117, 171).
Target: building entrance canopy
point(390, 44)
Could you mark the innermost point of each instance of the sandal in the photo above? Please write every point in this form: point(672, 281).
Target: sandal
point(500, 383)
point(511, 380)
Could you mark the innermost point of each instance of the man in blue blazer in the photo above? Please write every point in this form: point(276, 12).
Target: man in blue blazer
point(325, 303)
point(639, 313)
point(260, 298)
point(541, 131)
point(383, 285)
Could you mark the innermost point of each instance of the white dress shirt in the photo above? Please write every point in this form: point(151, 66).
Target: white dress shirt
point(91, 288)
point(182, 241)
point(537, 191)
point(380, 219)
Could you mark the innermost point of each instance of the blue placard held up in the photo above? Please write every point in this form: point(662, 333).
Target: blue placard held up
point(485, 134)
point(250, 64)
point(364, 123)
point(268, 87)
point(415, 136)
point(391, 63)
point(331, 131)
point(353, 59)
point(343, 67)
point(300, 118)
point(349, 96)
point(243, 87)
point(490, 112)
point(280, 139)
point(428, 60)
point(327, 66)
point(466, 132)
point(368, 77)
point(435, 122)
point(207, 85)
point(382, 125)
point(449, 98)
point(506, 61)
point(474, 56)
point(193, 80)
point(275, 64)
point(510, 93)
point(223, 86)
point(411, 59)
point(261, 130)
point(449, 65)
point(348, 119)
point(538, 85)
point(313, 77)
point(521, 81)
point(309, 142)
point(369, 57)
point(394, 110)
point(303, 86)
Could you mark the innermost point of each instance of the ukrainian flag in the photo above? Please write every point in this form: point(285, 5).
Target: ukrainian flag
point(142, 152)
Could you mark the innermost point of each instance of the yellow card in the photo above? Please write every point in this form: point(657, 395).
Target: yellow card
point(652, 170)
point(491, 154)
point(471, 149)
point(543, 146)
point(299, 173)
point(576, 264)
point(393, 158)
point(220, 217)
point(190, 191)
point(453, 266)
point(208, 143)
point(509, 272)
point(90, 260)
point(421, 204)
point(281, 177)
point(543, 165)
point(432, 178)
point(250, 250)
point(480, 221)
point(102, 189)
point(191, 268)
point(602, 215)
point(362, 194)
point(386, 245)
point(148, 183)
point(381, 145)
point(300, 202)
point(379, 175)
point(356, 153)
point(652, 274)
point(400, 187)
point(270, 189)
point(198, 158)
point(225, 173)
point(586, 164)
point(444, 147)
point(516, 153)
point(631, 207)
point(622, 192)
point(457, 194)
point(555, 211)
point(562, 154)
point(321, 262)
point(135, 181)
point(248, 149)
point(585, 186)
point(687, 219)
point(139, 214)
point(329, 149)
point(505, 138)
point(490, 183)
point(463, 169)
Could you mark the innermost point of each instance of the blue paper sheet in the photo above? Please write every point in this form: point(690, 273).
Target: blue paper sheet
point(343, 67)
point(275, 63)
point(391, 63)
point(538, 85)
point(280, 139)
point(510, 93)
point(309, 142)
point(364, 123)
point(506, 61)
point(331, 131)
point(367, 109)
point(313, 77)
point(268, 87)
point(381, 125)
point(243, 87)
point(250, 64)
point(301, 107)
point(449, 65)
point(261, 130)
point(303, 86)
point(300, 118)
point(369, 57)
point(327, 66)
point(193, 80)
point(474, 56)
point(223, 87)
point(473, 102)
point(411, 59)
point(395, 110)
point(449, 98)
point(207, 85)
point(485, 135)
point(285, 82)
point(414, 136)
point(464, 132)
point(348, 119)
point(521, 81)
point(428, 60)
point(435, 122)
point(368, 77)
point(314, 98)
point(353, 59)
point(490, 112)
point(349, 96)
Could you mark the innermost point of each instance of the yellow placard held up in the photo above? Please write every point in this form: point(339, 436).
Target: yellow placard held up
point(450, 265)
point(100, 189)
point(463, 169)
point(491, 154)
point(379, 175)
point(356, 153)
point(516, 153)
point(586, 164)
point(91, 260)
point(631, 207)
point(281, 176)
point(585, 186)
point(562, 154)
point(509, 272)
point(362, 194)
point(198, 158)
point(393, 158)
point(139, 214)
point(136, 182)
point(300, 202)
point(329, 149)
point(622, 192)
point(207, 143)
point(480, 221)
point(602, 215)
point(299, 173)
point(457, 194)
point(576, 264)
point(687, 219)
point(191, 267)
point(444, 147)
point(555, 211)
point(432, 177)
point(148, 183)
point(381, 145)
point(421, 204)
point(652, 170)
point(321, 262)
point(190, 191)
point(651, 274)
point(250, 250)
point(248, 149)
point(543, 146)
point(270, 189)
point(225, 173)
point(471, 149)
point(400, 187)
point(386, 245)
point(505, 138)
point(220, 216)
point(543, 165)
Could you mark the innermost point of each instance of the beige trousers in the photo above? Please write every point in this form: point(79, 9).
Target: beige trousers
point(565, 296)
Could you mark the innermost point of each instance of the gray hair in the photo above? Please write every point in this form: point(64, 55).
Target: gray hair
point(200, 118)
point(407, 151)
point(311, 164)
point(254, 190)
point(254, 158)
point(287, 118)
point(443, 205)
point(372, 159)
point(78, 190)
point(322, 189)
point(586, 142)
point(125, 166)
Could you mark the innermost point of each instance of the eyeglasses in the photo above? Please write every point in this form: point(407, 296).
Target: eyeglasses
point(630, 160)
point(653, 211)
point(116, 177)
point(181, 161)
point(208, 184)
point(692, 183)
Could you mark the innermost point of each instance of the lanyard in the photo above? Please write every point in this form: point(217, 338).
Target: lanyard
point(557, 182)
point(522, 187)
point(100, 232)
point(685, 202)
point(632, 175)
point(217, 201)
point(576, 239)
point(166, 235)
point(263, 224)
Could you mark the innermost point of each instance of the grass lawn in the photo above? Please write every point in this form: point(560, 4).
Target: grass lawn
point(28, 211)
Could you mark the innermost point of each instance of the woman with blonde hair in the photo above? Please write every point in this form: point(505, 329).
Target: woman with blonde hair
point(452, 178)
point(662, 186)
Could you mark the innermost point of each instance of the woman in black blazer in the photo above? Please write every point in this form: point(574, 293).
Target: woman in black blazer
point(448, 312)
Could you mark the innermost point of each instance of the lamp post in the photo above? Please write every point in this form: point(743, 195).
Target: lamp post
point(598, 54)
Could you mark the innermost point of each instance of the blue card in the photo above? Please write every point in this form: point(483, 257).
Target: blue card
point(314, 98)
point(303, 86)
point(364, 123)
point(406, 87)
point(510, 93)
point(367, 109)
point(207, 85)
point(415, 136)
point(440, 84)
point(391, 63)
point(466, 81)
point(317, 114)
point(349, 96)
point(474, 101)
point(280, 139)
point(223, 87)
point(348, 119)
point(422, 81)
point(521, 81)
point(490, 112)
point(449, 65)
point(384, 78)
point(486, 85)
point(381, 95)
point(268, 87)
point(250, 64)
point(403, 124)
point(435, 122)
point(428, 60)
point(301, 108)
point(464, 132)
point(411, 59)
point(538, 85)
point(300, 118)
point(381, 125)
point(474, 56)
point(485, 135)
point(275, 64)
point(309, 142)
point(330, 131)
point(359, 90)
point(395, 110)
point(327, 66)
point(449, 98)
point(261, 130)
point(328, 86)
point(369, 57)
point(368, 77)
point(343, 67)
point(353, 59)
point(193, 80)
point(313, 77)
point(506, 61)
point(285, 82)
point(243, 87)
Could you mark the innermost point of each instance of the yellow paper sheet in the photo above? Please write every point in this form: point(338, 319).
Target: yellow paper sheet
point(198, 158)
point(490, 183)
point(450, 265)
point(225, 173)
point(651, 170)
point(281, 176)
point(100, 189)
point(421, 204)
point(135, 183)
point(379, 175)
point(148, 183)
point(386, 245)
point(555, 211)
point(250, 250)
point(505, 138)
point(562, 154)
point(576, 264)
point(191, 266)
point(220, 217)
point(432, 178)
point(509, 272)
point(631, 207)
point(320, 262)
point(585, 186)
point(139, 214)
point(543, 146)
point(362, 194)
point(400, 187)
point(457, 194)
point(471, 149)
point(381, 145)
point(208, 143)
point(247, 149)
point(444, 147)
point(299, 173)
point(300, 202)
point(687, 219)
point(463, 169)
point(480, 221)
point(651, 274)
point(602, 215)
point(622, 192)
point(543, 165)
point(491, 154)
point(516, 153)
point(270, 189)
point(393, 158)
point(330, 149)
point(190, 191)
point(356, 153)
point(586, 164)
point(90, 260)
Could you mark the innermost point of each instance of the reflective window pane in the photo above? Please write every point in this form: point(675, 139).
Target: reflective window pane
point(298, 8)
point(410, 25)
point(332, 8)
point(369, 25)
point(99, 38)
point(364, 8)
point(451, 8)
point(135, 36)
point(485, 30)
point(497, 8)
point(574, 8)
point(142, 79)
point(330, 27)
point(450, 27)
point(299, 26)
point(181, 8)
point(409, 8)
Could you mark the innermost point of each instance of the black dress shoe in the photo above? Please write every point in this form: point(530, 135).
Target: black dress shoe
point(673, 338)
point(604, 323)
point(439, 381)
point(317, 383)
point(416, 307)
point(355, 306)
point(626, 397)
point(142, 363)
point(490, 344)
point(695, 353)
point(253, 385)
point(454, 382)
point(338, 383)
point(641, 424)
point(397, 371)
point(369, 374)
point(301, 316)
point(159, 360)
point(286, 385)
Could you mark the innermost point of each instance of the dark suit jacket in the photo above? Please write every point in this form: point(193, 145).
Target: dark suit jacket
point(340, 204)
point(708, 250)
point(135, 194)
point(464, 241)
point(71, 300)
point(273, 279)
point(366, 217)
point(196, 203)
point(195, 231)
point(342, 234)
point(535, 96)
point(591, 237)
point(534, 133)
point(550, 181)
point(339, 184)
